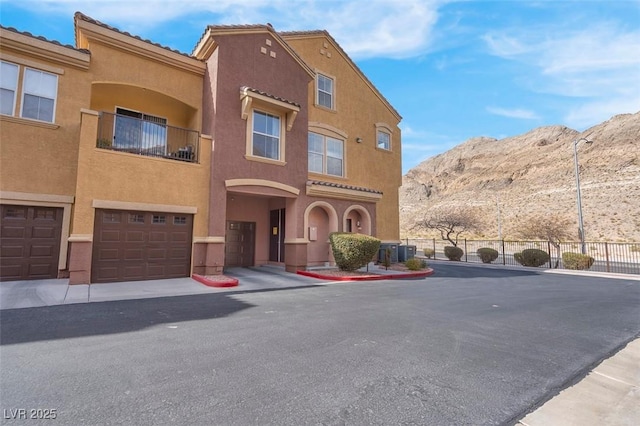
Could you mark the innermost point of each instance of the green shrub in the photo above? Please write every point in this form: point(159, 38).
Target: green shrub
point(353, 251)
point(453, 253)
point(415, 264)
point(531, 257)
point(429, 253)
point(487, 255)
point(577, 261)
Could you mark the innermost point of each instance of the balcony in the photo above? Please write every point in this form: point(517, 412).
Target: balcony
point(143, 134)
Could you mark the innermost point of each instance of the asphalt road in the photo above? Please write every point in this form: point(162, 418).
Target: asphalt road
point(466, 346)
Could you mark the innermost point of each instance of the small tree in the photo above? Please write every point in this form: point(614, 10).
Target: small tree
point(553, 228)
point(450, 223)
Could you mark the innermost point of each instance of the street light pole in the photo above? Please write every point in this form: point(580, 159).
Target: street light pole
point(579, 198)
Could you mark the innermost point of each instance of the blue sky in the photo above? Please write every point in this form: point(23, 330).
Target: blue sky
point(453, 69)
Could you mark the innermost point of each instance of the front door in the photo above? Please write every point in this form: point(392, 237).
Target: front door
point(276, 237)
point(239, 244)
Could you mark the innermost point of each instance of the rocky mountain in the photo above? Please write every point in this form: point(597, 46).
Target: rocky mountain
point(509, 180)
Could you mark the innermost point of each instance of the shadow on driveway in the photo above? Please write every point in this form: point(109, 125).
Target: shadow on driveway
point(99, 318)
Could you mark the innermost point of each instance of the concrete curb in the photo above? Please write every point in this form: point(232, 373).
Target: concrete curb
point(229, 282)
point(370, 277)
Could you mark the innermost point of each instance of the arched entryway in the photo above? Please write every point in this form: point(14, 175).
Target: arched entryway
point(320, 219)
point(357, 219)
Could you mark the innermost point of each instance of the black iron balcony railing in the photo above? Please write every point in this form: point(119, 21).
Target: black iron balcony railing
point(148, 135)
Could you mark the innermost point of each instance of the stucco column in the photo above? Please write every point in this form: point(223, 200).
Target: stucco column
point(81, 238)
point(295, 245)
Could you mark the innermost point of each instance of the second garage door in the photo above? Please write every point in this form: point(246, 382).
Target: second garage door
point(133, 246)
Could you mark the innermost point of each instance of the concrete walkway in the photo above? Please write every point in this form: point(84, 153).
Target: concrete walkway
point(607, 395)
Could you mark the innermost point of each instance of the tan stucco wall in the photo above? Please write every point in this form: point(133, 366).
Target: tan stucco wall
point(132, 74)
point(113, 67)
point(114, 176)
point(357, 110)
point(37, 157)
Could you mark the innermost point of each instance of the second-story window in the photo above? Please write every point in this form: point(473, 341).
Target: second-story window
point(39, 95)
point(8, 87)
point(325, 91)
point(384, 140)
point(326, 155)
point(266, 135)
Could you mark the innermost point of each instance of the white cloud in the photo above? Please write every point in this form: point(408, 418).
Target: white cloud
point(364, 28)
point(514, 113)
point(596, 68)
point(590, 113)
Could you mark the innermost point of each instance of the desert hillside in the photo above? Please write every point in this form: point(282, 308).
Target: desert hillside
point(533, 174)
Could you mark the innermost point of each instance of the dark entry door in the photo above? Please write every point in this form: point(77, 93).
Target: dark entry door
point(276, 238)
point(240, 243)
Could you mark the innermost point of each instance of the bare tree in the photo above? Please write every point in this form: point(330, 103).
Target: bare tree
point(553, 228)
point(450, 223)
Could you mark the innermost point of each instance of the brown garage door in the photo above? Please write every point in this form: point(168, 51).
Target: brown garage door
point(133, 246)
point(30, 242)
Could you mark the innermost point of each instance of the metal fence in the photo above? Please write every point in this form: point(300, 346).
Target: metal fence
point(146, 137)
point(609, 257)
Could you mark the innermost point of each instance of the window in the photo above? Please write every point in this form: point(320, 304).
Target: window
point(136, 218)
point(384, 140)
point(139, 132)
point(179, 220)
point(269, 119)
point(8, 87)
point(326, 155)
point(39, 95)
point(15, 212)
point(109, 217)
point(159, 219)
point(266, 135)
point(325, 91)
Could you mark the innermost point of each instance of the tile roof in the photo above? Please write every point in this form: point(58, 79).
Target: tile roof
point(269, 95)
point(267, 27)
point(325, 33)
point(82, 16)
point(57, 43)
point(341, 186)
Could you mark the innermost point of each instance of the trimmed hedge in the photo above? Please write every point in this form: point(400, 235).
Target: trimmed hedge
point(415, 264)
point(429, 253)
point(577, 261)
point(531, 257)
point(453, 253)
point(353, 251)
point(487, 254)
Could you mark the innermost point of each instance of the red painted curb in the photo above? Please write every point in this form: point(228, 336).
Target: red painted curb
point(231, 282)
point(373, 277)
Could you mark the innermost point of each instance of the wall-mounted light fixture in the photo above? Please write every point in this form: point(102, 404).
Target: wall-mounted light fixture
point(359, 140)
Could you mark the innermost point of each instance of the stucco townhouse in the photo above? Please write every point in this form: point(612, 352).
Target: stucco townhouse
point(124, 160)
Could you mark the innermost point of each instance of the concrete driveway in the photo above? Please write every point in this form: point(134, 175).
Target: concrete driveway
point(465, 346)
point(29, 294)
